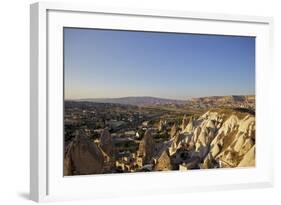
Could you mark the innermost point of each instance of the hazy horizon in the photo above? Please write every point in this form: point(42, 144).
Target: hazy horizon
point(115, 64)
point(188, 98)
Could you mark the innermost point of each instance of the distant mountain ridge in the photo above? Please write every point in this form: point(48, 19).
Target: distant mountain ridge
point(203, 101)
point(140, 101)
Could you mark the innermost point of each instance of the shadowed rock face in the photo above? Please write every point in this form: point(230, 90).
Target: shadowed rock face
point(83, 157)
point(106, 143)
point(146, 146)
point(163, 162)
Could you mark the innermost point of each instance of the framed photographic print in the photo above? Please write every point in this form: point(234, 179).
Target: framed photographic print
point(147, 101)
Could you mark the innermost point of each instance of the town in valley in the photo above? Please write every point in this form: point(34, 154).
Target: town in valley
point(142, 134)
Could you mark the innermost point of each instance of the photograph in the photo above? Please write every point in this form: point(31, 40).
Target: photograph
point(148, 101)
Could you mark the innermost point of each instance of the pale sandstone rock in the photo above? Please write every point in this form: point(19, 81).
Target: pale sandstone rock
point(173, 131)
point(189, 128)
point(161, 125)
point(248, 159)
point(196, 134)
point(239, 143)
point(184, 122)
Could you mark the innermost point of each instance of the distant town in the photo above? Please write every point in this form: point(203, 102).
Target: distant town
point(140, 134)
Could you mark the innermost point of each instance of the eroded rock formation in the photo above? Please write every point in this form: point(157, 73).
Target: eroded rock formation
point(213, 140)
point(83, 157)
point(106, 143)
point(146, 147)
point(163, 162)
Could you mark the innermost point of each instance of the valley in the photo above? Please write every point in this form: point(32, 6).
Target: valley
point(142, 134)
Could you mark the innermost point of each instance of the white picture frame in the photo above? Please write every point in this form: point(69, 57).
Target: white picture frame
point(46, 179)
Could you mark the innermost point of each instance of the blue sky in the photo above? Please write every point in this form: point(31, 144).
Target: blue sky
point(108, 63)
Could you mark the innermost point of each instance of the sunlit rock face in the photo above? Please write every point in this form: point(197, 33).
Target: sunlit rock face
point(161, 125)
point(190, 127)
point(228, 141)
point(173, 131)
point(83, 157)
point(184, 122)
point(241, 140)
point(146, 147)
point(215, 140)
point(175, 143)
point(249, 158)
